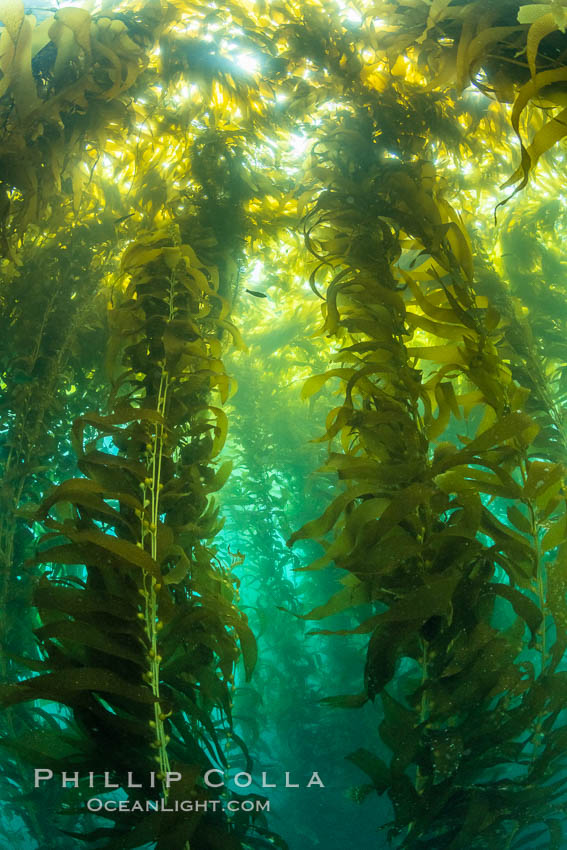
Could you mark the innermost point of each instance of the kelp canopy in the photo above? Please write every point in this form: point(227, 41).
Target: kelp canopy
point(365, 201)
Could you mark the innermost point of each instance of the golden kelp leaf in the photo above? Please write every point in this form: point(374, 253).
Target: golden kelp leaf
point(239, 343)
point(439, 353)
point(222, 383)
point(123, 415)
point(518, 519)
point(348, 597)
point(459, 243)
point(477, 47)
point(347, 466)
point(316, 382)
point(116, 72)
point(79, 22)
point(544, 484)
point(7, 51)
point(172, 257)
point(522, 605)
point(458, 479)
point(468, 29)
point(248, 646)
point(12, 14)
point(221, 429)
point(119, 551)
point(317, 528)
point(512, 426)
point(549, 135)
point(67, 48)
point(79, 179)
point(436, 10)
point(435, 328)
point(541, 27)
point(138, 255)
point(447, 404)
point(221, 477)
point(556, 534)
point(369, 511)
point(182, 567)
point(440, 314)
point(200, 278)
point(528, 91)
point(85, 492)
point(23, 83)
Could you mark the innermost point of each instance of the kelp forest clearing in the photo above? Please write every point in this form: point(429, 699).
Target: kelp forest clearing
point(283, 425)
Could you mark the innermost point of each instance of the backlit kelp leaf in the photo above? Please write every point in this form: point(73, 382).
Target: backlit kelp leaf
point(401, 507)
point(62, 685)
point(461, 478)
point(78, 603)
point(512, 426)
point(397, 509)
point(428, 307)
point(467, 518)
point(541, 26)
point(449, 354)
point(432, 599)
point(81, 491)
point(12, 14)
point(22, 82)
point(237, 339)
point(87, 635)
point(530, 155)
point(555, 833)
point(179, 572)
point(316, 382)
point(116, 474)
point(435, 328)
point(348, 597)
point(345, 701)
point(373, 767)
point(122, 416)
point(404, 745)
point(447, 404)
point(556, 533)
point(386, 645)
point(518, 519)
point(522, 605)
point(220, 430)
point(515, 545)
point(50, 748)
point(544, 482)
point(248, 646)
point(94, 547)
point(557, 602)
point(478, 47)
point(314, 529)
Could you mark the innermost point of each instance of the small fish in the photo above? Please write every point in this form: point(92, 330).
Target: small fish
point(123, 218)
point(255, 293)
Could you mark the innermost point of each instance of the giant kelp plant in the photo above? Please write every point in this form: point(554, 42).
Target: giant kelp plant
point(383, 181)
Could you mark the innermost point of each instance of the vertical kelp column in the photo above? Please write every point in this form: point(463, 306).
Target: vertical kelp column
point(44, 385)
point(447, 515)
point(52, 325)
point(140, 638)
